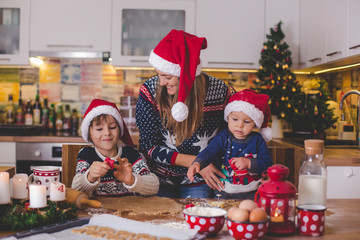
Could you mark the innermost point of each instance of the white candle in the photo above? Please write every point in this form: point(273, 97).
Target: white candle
point(4, 188)
point(20, 186)
point(57, 191)
point(37, 196)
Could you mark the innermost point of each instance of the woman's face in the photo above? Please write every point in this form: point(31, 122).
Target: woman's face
point(171, 82)
point(105, 135)
point(240, 124)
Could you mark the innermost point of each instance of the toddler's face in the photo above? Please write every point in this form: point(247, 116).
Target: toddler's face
point(171, 82)
point(240, 124)
point(105, 135)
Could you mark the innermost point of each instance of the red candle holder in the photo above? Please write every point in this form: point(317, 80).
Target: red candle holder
point(277, 197)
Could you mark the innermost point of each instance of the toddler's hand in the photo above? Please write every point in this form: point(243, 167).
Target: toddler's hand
point(193, 169)
point(240, 163)
point(97, 170)
point(123, 171)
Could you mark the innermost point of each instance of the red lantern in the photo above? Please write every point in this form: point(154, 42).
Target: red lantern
point(277, 197)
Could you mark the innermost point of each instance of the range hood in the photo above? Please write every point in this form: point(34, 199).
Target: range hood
point(58, 54)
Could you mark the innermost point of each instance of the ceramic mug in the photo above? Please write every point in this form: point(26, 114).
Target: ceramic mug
point(45, 175)
point(311, 219)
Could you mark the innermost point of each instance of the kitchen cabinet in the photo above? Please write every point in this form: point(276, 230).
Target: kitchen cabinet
point(70, 25)
point(139, 25)
point(343, 182)
point(287, 12)
point(354, 33)
point(235, 32)
point(8, 156)
point(336, 29)
point(14, 32)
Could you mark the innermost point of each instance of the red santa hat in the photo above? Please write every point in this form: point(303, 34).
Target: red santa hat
point(98, 107)
point(254, 105)
point(178, 54)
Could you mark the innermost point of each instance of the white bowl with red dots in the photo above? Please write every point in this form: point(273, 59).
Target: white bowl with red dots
point(247, 230)
point(207, 220)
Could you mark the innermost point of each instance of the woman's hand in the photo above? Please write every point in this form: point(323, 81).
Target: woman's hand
point(193, 169)
point(123, 171)
point(97, 170)
point(210, 175)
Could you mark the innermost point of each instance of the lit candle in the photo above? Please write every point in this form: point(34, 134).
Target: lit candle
point(4, 188)
point(37, 196)
point(20, 186)
point(57, 191)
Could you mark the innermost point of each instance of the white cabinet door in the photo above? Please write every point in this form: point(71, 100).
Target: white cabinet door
point(343, 182)
point(235, 32)
point(288, 12)
point(139, 25)
point(14, 32)
point(304, 36)
point(314, 12)
point(336, 29)
point(70, 25)
point(354, 32)
point(8, 156)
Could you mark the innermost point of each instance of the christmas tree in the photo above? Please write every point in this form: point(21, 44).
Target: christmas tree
point(275, 77)
point(313, 114)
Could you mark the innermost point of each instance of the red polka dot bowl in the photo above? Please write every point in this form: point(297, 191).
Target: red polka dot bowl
point(207, 220)
point(247, 230)
point(311, 219)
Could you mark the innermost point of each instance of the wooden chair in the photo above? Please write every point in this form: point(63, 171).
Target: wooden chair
point(69, 155)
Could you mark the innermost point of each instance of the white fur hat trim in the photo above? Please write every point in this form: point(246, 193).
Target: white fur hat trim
point(247, 108)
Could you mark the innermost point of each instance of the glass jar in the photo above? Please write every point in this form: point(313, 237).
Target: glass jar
point(312, 175)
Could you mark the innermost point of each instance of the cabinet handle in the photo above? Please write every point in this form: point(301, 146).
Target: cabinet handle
point(139, 61)
point(315, 59)
point(353, 47)
point(67, 46)
point(242, 63)
point(333, 53)
point(302, 63)
point(4, 59)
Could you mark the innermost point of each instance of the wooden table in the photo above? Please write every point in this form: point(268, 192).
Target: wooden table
point(342, 221)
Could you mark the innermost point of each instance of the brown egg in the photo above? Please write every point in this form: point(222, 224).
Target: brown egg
point(248, 205)
point(257, 215)
point(238, 214)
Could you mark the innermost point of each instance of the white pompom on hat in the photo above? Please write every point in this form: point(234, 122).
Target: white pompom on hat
point(98, 107)
point(254, 105)
point(178, 54)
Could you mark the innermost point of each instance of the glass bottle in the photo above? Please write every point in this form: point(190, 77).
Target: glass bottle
point(29, 113)
point(312, 175)
point(20, 114)
point(37, 110)
point(52, 117)
point(10, 110)
point(59, 118)
point(67, 119)
point(74, 122)
point(45, 114)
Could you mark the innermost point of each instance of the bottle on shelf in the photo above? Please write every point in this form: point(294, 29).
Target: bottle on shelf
point(45, 114)
point(74, 122)
point(312, 175)
point(52, 117)
point(20, 113)
point(37, 110)
point(10, 110)
point(59, 118)
point(29, 120)
point(67, 119)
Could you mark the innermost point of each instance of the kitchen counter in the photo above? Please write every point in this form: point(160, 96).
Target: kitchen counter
point(342, 220)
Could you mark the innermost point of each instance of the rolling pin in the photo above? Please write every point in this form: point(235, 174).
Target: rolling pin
point(80, 199)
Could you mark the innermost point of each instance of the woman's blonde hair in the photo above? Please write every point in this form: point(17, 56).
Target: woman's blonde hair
point(195, 103)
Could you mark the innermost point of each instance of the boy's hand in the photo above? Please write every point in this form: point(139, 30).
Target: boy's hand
point(97, 170)
point(193, 169)
point(123, 171)
point(240, 163)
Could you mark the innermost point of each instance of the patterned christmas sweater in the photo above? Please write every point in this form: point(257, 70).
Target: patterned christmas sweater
point(157, 142)
point(146, 183)
point(225, 146)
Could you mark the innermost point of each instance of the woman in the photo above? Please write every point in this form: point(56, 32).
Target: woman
point(178, 112)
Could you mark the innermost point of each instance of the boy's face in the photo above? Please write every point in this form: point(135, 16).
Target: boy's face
point(240, 124)
point(105, 135)
point(171, 82)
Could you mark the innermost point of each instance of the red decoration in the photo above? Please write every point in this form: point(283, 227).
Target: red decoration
point(271, 76)
point(110, 162)
point(277, 103)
